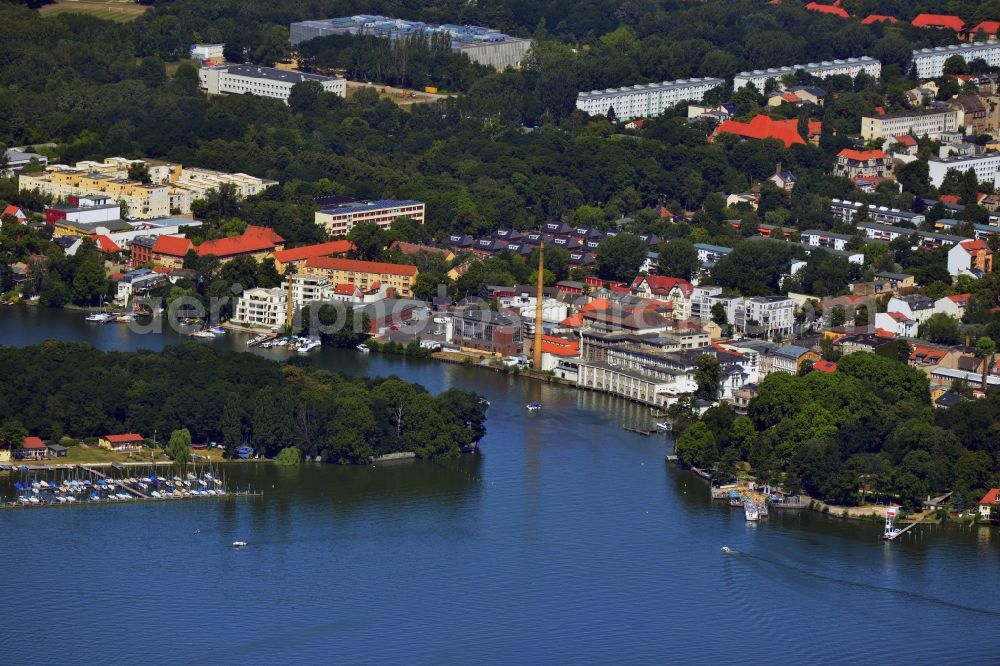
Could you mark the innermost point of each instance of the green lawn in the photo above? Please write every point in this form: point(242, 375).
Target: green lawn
point(118, 11)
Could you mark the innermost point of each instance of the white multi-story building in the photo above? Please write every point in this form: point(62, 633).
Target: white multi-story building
point(205, 52)
point(262, 81)
point(341, 219)
point(769, 315)
point(645, 99)
point(986, 167)
point(262, 307)
point(851, 67)
point(911, 122)
point(930, 62)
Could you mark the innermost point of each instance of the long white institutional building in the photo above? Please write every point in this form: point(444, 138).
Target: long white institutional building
point(852, 67)
point(986, 167)
point(262, 81)
point(645, 99)
point(930, 62)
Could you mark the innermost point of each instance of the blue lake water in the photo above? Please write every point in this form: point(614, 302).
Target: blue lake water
point(567, 540)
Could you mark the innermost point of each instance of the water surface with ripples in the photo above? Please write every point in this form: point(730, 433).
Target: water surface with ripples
point(567, 540)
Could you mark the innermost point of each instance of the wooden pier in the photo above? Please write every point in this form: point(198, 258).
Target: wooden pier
point(895, 535)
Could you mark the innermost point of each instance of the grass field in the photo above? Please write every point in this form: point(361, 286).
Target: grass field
point(119, 11)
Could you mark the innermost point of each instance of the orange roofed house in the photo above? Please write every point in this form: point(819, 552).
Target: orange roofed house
point(863, 164)
point(560, 356)
point(833, 10)
point(763, 127)
point(970, 257)
point(32, 448)
point(366, 274)
point(126, 442)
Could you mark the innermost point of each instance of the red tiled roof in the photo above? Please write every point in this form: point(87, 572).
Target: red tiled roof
point(861, 155)
point(235, 245)
point(596, 304)
point(763, 127)
point(992, 497)
point(960, 298)
point(13, 211)
point(319, 250)
point(573, 321)
point(879, 18)
point(106, 245)
point(976, 245)
point(662, 284)
point(824, 366)
point(33, 443)
point(939, 21)
point(172, 246)
point(929, 355)
point(790, 97)
point(948, 198)
point(162, 270)
point(560, 346)
point(124, 439)
point(345, 289)
point(358, 266)
point(989, 27)
point(899, 316)
point(815, 128)
point(827, 9)
point(906, 140)
point(883, 333)
point(263, 232)
point(416, 248)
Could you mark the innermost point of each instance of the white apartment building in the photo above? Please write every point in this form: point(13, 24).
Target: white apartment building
point(846, 210)
point(851, 67)
point(930, 62)
point(262, 307)
point(645, 99)
point(769, 315)
point(911, 122)
point(262, 81)
point(986, 167)
point(825, 239)
point(340, 220)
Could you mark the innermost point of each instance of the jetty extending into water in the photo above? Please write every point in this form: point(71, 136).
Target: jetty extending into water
point(115, 483)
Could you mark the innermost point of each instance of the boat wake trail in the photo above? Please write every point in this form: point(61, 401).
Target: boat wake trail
point(905, 594)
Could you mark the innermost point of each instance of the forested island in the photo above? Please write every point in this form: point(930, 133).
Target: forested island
point(59, 390)
point(865, 433)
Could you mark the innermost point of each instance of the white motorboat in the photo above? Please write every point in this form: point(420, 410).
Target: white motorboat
point(203, 334)
point(751, 510)
point(239, 544)
point(308, 346)
point(664, 426)
point(534, 406)
point(363, 349)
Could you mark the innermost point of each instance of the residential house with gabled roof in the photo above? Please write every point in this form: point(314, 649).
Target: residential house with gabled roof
point(257, 242)
point(897, 324)
point(13, 211)
point(790, 358)
point(878, 18)
point(863, 164)
point(676, 291)
point(954, 305)
point(123, 442)
point(32, 448)
point(832, 10)
point(989, 505)
point(970, 257)
point(783, 180)
point(914, 306)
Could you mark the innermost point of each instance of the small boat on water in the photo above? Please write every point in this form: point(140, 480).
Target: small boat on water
point(363, 349)
point(664, 426)
point(99, 317)
point(308, 345)
point(203, 334)
point(217, 330)
point(239, 544)
point(751, 510)
point(735, 499)
point(534, 406)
